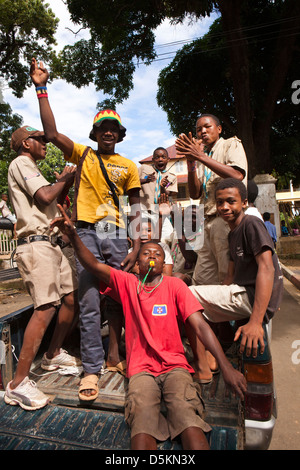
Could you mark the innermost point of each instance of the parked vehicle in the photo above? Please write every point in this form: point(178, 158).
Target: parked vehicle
point(67, 423)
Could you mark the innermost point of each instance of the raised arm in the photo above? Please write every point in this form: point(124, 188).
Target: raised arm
point(86, 258)
point(194, 151)
point(182, 148)
point(47, 194)
point(135, 220)
point(39, 76)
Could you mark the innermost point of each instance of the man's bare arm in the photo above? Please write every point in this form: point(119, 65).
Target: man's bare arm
point(253, 333)
point(59, 190)
point(232, 377)
point(86, 258)
point(39, 76)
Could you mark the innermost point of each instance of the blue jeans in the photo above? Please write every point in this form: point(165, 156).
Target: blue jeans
point(110, 251)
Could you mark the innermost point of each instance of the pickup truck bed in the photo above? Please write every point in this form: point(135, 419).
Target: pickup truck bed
point(68, 423)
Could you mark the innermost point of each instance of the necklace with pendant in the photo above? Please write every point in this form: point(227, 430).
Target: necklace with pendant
point(148, 291)
point(142, 283)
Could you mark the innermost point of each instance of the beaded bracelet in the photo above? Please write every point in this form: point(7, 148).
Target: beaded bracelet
point(41, 92)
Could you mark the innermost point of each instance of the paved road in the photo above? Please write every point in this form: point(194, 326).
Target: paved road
point(286, 362)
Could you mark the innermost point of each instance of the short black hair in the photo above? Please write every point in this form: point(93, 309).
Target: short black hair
point(266, 216)
point(153, 243)
point(215, 118)
point(252, 190)
point(161, 148)
point(232, 183)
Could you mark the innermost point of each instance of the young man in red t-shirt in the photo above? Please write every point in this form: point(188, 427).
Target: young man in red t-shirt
point(156, 363)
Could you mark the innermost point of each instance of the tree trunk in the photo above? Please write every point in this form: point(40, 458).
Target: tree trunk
point(282, 59)
point(255, 131)
point(238, 52)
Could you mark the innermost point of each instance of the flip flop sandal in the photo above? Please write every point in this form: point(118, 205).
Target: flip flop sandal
point(90, 382)
point(120, 367)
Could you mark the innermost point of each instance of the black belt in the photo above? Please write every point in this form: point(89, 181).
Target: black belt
point(103, 227)
point(33, 238)
point(82, 224)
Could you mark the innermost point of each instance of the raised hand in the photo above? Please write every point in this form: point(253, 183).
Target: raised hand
point(67, 175)
point(189, 146)
point(164, 205)
point(63, 223)
point(38, 73)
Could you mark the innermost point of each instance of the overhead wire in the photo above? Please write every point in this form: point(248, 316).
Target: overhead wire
point(260, 37)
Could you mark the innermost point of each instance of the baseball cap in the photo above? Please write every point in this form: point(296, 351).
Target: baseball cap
point(107, 114)
point(24, 133)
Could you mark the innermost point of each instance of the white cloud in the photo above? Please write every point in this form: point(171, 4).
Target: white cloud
point(74, 109)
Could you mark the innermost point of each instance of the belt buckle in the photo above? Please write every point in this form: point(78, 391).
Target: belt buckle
point(53, 240)
point(102, 227)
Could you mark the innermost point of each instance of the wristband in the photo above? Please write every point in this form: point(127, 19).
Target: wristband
point(41, 92)
point(191, 166)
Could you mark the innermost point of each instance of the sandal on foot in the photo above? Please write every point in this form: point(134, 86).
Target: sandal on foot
point(120, 367)
point(89, 382)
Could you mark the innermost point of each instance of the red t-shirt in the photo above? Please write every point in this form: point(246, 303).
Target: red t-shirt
point(153, 341)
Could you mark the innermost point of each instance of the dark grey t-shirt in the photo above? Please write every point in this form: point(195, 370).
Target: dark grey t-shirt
point(246, 241)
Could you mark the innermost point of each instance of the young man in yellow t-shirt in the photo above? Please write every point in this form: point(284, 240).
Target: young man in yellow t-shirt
point(99, 225)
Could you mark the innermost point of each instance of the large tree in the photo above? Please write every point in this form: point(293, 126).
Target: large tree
point(199, 79)
point(122, 34)
point(27, 29)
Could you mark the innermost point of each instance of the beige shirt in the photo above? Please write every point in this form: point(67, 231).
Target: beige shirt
point(24, 179)
point(230, 152)
point(148, 189)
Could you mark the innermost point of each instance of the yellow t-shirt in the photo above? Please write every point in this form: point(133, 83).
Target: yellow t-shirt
point(95, 200)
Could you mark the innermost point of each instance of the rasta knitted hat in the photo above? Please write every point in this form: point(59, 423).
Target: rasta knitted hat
point(107, 114)
point(24, 133)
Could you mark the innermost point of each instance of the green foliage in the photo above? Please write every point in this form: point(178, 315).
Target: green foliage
point(103, 69)
point(122, 34)
point(54, 161)
point(202, 69)
point(27, 29)
point(199, 79)
point(9, 122)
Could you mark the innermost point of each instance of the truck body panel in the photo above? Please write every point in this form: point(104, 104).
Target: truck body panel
point(68, 423)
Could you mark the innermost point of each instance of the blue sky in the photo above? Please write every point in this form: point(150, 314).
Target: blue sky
point(74, 109)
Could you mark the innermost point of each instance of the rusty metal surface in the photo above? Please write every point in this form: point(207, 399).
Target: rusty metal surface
point(63, 389)
point(61, 428)
point(68, 423)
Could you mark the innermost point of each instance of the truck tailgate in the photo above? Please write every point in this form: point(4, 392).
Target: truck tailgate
point(66, 424)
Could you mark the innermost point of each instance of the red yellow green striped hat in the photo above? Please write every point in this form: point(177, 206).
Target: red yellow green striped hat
point(107, 114)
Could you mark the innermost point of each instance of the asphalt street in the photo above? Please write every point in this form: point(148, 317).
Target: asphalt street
point(285, 349)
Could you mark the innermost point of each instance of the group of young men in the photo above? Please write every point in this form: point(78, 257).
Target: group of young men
point(150, 302)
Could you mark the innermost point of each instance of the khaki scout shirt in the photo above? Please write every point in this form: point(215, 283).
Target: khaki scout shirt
point(24, 179)
point(148, 189)
point(230, 152)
